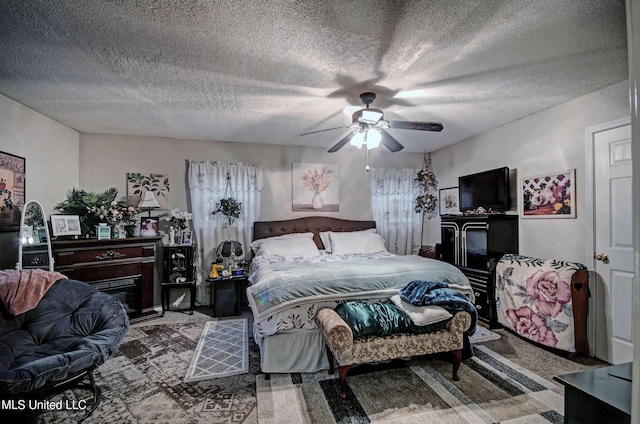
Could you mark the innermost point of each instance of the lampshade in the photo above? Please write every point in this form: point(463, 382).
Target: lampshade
point(373, 138)
point(358, 139)
point(228, 248)
point(148, 201)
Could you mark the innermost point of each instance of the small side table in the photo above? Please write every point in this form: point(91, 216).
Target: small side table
point(238, 281)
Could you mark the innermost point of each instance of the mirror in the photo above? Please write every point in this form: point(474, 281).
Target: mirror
point(34, 244)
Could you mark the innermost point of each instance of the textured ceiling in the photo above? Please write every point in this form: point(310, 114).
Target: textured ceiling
point(265, 71)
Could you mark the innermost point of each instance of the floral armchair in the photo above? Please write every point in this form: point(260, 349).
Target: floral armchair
point(544, 300)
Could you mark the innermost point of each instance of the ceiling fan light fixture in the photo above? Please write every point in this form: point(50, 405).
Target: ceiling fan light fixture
point(358, 139)
point(373, 138)
point(367, 127)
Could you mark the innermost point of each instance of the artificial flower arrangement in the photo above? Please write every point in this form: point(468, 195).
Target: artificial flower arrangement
point(114, 213)
point(427, 201)
point(93, 208)
point(178, 218)
point(230, 208)
point(317, 181)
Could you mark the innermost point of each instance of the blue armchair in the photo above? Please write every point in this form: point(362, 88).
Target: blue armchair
point(72, 330)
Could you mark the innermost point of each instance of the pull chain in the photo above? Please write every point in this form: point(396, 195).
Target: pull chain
point(366, 168)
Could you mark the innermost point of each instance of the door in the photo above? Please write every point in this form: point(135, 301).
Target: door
point(613, 245)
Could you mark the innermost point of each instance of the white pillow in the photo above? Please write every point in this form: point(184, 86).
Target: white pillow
point(255, 245)
point(301, 247)
point(326, 240)
point(422, 315)
point(356, 242)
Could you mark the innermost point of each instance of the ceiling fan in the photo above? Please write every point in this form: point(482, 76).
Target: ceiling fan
point(369, 128)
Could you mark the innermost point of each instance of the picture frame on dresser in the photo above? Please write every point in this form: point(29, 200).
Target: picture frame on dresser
point(149, 227)
point(186, 237)
point(103, 232)
point(65, 225)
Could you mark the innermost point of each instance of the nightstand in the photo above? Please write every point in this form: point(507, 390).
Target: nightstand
point(177, 273)
point(238, 282)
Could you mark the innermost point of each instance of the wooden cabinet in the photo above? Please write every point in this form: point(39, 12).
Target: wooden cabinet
point(124, 268)
point(177, 262)
point(178, 270)
point(475, 244)
point(35, 256)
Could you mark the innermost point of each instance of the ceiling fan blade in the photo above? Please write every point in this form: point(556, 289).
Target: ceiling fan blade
point(390, 143)
point(422, 126)
point(340, 144)
point(326, 129)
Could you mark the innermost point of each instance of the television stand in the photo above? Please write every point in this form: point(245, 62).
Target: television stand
point(474, 244)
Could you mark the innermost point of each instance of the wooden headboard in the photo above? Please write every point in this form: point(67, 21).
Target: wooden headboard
point(310, 224)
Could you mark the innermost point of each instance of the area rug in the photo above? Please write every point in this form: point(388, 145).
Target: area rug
point(143, 383)
point(492, 389)
point(483, 334)
point(222, 351)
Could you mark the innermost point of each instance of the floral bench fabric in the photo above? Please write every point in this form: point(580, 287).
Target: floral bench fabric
point(348, 351)
point(543, 300)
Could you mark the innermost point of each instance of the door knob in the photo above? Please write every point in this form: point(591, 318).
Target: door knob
point(602, 257)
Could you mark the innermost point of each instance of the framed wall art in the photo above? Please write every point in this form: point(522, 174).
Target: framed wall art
point(138, 184)
point(449, 201)
point(12, 184)
point(550, 195)
point(316, 187)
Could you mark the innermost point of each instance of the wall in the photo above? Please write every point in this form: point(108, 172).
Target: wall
point(51, 151)
point(106, 159)
point(551, 140)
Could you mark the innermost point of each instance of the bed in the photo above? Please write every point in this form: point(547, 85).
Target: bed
point(317, 262)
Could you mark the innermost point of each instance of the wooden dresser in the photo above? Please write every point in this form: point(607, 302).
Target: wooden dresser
point(124, 268)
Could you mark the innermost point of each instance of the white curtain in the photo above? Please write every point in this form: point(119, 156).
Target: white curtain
point(207, 185)
point(392, 203)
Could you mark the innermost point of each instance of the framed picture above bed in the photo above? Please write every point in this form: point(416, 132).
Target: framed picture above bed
point(316, 187)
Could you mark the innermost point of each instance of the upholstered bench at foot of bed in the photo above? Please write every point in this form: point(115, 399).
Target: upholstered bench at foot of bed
point(348, 351)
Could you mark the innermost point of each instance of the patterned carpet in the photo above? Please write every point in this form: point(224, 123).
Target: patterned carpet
point(144, 383)
point(492, 389)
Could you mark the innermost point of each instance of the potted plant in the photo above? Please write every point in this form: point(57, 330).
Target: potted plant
point(93, 208)
point(426, 202)
point(230, 208)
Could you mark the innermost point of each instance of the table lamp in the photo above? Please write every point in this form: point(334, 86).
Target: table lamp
point(228, 249)
point(148, 201)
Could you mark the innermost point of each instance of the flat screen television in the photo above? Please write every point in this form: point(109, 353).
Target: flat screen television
point(488, 190)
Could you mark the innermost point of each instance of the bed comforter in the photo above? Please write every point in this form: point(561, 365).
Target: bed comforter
point(285, 294)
